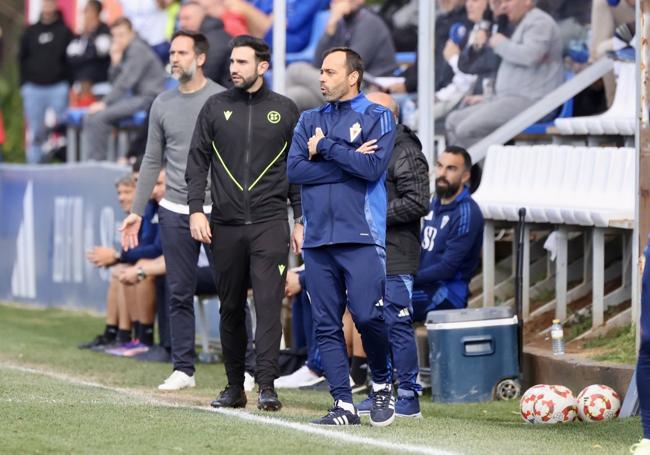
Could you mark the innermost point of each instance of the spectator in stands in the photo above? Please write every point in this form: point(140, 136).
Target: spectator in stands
point(118, 315)
point(136, 76)
point(478, 58)
point(604, 21)
point(350, 25)
point(450, 12)
point(451, 238)
point(401, 16)
point(531, 66)
point(88, 55)
point(234, 22)
point(43, 74)
point(193, 18)
point(149, 20)
point(300, 17)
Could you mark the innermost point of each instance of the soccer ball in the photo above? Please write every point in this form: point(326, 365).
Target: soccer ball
point(598, 402)
point(548, 404)
point(528, 400)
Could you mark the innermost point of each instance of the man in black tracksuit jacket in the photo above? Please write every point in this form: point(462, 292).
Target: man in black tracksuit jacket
point(243, 135)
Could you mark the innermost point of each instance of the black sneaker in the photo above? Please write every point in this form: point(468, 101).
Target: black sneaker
point(230, 397)
point(99, 341)
point(382, 412)
point(338, 416)
point(267, 400)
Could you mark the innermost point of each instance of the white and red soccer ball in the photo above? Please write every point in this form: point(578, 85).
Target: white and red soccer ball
point(548, 404)
point(597, 403)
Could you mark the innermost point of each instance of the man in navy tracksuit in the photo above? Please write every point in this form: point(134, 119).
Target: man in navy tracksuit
point(452, 236)
point(344, 209)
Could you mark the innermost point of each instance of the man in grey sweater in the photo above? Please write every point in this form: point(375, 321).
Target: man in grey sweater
point(531, 67)
point(171, 123)
point(136, 76)
point(349, 25)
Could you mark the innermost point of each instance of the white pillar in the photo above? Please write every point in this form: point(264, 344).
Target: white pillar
point(279, 44)
point(426, 76)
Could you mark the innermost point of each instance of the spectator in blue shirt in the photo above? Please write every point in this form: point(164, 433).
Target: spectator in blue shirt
point(300, 18)
point(452, 236)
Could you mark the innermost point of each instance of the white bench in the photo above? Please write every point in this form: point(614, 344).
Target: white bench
point(563, 186)
point(619, 119)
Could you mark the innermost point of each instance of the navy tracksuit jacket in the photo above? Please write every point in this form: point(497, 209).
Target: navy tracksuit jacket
point(344, 208)
point(452, 237)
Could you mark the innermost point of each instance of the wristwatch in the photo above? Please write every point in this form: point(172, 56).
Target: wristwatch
point(141, 274)
point(299, 220)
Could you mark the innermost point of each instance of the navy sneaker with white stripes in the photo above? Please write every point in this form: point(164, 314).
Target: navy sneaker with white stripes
point(338, 416)
point(382, 412)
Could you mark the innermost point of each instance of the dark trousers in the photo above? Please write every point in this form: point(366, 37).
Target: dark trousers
point(643, 363)
point(398, 312)
point(181, 253)
point(255, 253)
point(361, 271)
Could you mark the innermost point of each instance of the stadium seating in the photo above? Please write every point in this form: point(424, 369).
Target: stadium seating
point(618, 120)
point(586, 186)
point(586, 190)
point(566, 112)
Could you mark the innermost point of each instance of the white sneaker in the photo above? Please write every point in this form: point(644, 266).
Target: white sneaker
point(249, 382)
point(177, 381)
point(302, 377)
point(641, 448)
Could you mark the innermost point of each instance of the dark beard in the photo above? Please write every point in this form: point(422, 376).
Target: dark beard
point(248, 83)
point(445, 192)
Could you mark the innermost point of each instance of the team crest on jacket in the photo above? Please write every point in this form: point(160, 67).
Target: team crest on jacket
point(273, 117)
point(445, 220)
point(354, 131)
point(227, 114)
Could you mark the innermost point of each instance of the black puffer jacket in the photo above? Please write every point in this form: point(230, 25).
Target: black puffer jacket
point(407, 184)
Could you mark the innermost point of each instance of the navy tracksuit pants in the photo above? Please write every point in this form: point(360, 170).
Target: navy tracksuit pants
point(643, 363)
point(361, 271)
point(398, 313)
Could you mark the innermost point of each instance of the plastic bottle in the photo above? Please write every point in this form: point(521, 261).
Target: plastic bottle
point(557, 337)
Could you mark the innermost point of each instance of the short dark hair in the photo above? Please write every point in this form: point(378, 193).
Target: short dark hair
point(353, 61)
point(261, 48)
point(122, 21)
point(96, 5)
point(201, 44)
point(456, 150)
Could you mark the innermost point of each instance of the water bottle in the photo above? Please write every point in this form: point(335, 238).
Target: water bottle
point(557, 337)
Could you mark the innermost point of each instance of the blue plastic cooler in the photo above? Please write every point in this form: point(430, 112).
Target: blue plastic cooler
point(473, 354)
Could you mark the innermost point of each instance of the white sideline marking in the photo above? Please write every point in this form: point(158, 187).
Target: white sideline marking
point(243, 415)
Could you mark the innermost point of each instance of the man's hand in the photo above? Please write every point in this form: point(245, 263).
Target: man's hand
point(292, 286)
point(129, 275)
point(96, 107)
point(297, 238)
point(200, 227)
point(471, 100)
point(451, 50)
point(129, 229)
point(397, 87)
point(102, 256)
point(480, 38)
point(497, 39)
point(312, 144)
point(368, 147)
point(337, 11)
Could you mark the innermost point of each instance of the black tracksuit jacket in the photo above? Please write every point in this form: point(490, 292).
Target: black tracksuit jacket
point(244, 139)
point(407, 184)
